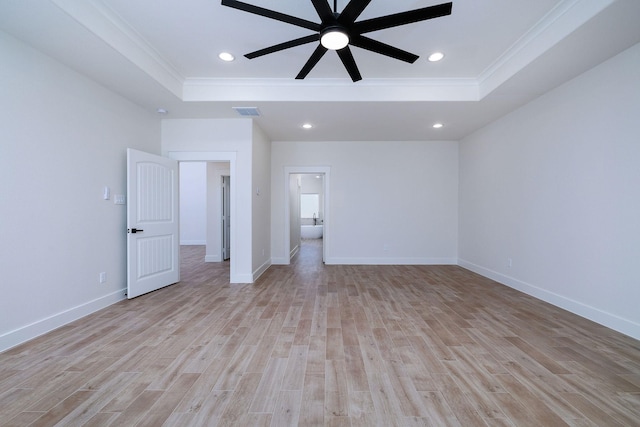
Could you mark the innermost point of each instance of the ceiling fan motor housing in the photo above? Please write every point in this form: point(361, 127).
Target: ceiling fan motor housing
point(334, 37)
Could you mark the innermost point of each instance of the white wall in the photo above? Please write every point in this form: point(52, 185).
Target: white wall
point(555, 186)
point(220, 139)
point(63, 138)
point(261, 205)
point(193, 203)
point(400, 194)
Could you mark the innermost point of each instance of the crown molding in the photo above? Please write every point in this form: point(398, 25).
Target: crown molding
point(462, 89)
point(556, 25)
point(96, 17)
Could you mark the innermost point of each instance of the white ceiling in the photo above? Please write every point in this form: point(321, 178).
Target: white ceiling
point(163, 54)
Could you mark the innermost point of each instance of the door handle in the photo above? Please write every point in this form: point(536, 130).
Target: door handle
point(135, 230)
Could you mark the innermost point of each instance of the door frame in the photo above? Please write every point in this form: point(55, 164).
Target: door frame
point(326, 232)
point(218, 156)
point(225, 204)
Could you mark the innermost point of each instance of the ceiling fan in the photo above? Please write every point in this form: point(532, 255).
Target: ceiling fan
point(339, 30)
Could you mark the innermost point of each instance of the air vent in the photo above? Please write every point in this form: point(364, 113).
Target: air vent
point(248, 111)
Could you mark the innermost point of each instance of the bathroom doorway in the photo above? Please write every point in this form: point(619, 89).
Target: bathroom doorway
point(307, 209)
point(311, 206)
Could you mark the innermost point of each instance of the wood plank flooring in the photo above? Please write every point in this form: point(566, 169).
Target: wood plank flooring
point(315, 345)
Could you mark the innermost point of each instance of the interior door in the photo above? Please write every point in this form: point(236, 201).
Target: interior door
point(226, 218)
point(153, 246)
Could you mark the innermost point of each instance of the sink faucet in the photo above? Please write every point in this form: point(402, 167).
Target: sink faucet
point(315, 220)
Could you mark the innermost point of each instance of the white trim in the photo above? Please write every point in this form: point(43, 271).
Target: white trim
point(285, 260)
point(41, 327)
point(391, 261)
point(294, 251)
point(220, 156)
point(260, 270)
point(565, 18)
point(109, 27)
point(243, 278)
point(213, 258)
point(369, 90)
point(609, 320)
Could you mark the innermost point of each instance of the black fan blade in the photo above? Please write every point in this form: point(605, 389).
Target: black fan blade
point(352, 11)
point(272, 14)
point(383, 48)
point(349, 63)
point(283, 46)
point(324, 10)
point(402, 18)
point(315, 57)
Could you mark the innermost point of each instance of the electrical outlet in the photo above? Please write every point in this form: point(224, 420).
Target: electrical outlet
point(102, 277)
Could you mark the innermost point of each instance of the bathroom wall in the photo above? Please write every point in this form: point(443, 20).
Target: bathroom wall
point(313, 184)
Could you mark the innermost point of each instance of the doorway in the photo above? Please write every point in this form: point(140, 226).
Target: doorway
point(318, 182)
point(205, 208)
point(213, 194)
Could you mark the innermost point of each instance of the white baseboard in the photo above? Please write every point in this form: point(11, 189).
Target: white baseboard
point(241, 278)
point(391, 261)
point(280, 261)
point(260, 270)
point(34, 330)
point(213, 258)
point(594, 314)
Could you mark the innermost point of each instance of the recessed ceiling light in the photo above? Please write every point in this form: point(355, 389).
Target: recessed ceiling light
point(226, 56)
point(437, 125)
point(436, 56)
point(307, 125)
point(162, 111)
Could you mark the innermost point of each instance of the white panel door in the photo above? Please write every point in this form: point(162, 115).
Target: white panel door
point(153, 246)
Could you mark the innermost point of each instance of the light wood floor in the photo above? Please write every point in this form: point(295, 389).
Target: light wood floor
point(315, 345)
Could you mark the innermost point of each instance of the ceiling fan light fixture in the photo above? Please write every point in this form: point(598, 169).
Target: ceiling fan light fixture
point(334, 38)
